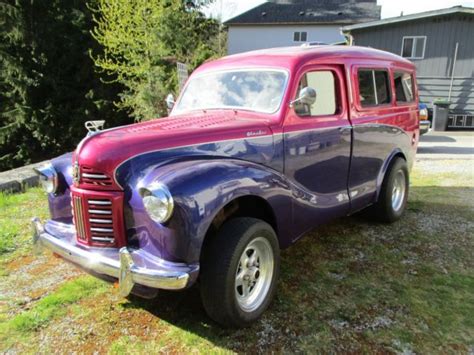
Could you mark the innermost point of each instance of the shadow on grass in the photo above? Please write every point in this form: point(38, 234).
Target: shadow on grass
point(354, 285)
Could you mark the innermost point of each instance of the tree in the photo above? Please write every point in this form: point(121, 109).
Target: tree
point(48, 87)
point(142, 41)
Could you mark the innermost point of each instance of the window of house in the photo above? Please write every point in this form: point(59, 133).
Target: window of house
point(413, 47)
point(300, 36)
point(374, 87)
point(324, 82)
point(403, 87)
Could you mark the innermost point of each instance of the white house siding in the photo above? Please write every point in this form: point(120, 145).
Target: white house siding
point(245, 38)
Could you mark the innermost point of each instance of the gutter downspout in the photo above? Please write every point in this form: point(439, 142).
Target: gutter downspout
point(452, 72)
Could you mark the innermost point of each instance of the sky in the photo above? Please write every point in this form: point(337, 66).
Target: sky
point(390, 8)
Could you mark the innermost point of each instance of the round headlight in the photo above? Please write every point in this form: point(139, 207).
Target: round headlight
point(158, 202)
point(48, 178)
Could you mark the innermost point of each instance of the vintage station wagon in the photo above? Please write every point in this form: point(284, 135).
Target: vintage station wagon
point(259, 148)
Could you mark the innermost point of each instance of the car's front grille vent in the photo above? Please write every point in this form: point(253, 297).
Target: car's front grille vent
point(100, 220)
point(79, 218)
point(94, 178)
point(98, 217)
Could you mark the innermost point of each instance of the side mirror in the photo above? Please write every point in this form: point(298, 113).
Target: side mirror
point(169, 101)
point(307, 96)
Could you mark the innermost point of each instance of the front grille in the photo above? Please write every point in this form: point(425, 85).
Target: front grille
point(93, 178)
point(98, 217)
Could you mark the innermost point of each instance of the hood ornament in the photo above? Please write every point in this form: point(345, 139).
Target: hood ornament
point(94, 127)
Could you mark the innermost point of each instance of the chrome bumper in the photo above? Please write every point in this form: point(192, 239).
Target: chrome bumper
point(130, 267)
point(424, 126)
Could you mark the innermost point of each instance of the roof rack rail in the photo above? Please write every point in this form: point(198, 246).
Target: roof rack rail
point(315, 43)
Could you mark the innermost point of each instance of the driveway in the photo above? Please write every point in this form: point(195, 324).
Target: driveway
point(446, 145)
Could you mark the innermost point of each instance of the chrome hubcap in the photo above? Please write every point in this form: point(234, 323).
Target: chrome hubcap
point(254, 274)
point(398, 191)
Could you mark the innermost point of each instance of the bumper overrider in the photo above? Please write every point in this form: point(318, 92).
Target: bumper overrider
point(131, 267)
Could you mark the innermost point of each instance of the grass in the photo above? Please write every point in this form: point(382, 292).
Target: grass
point(350, 286)
point(16, 212)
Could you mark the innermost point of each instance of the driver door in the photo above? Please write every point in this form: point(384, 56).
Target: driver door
point(317, 140)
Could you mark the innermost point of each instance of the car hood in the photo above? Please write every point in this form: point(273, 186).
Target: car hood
point(105, 151)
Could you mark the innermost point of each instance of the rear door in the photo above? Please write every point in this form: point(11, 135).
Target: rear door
point(382, 126)
point(317, 142)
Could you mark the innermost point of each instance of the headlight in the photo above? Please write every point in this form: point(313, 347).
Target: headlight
point(48, 178)
point(157, 201)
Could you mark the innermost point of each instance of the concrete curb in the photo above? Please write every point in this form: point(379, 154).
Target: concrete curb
point(17, 180)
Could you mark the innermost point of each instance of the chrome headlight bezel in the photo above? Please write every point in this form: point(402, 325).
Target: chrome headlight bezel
point(157, 201)
point(48, 178)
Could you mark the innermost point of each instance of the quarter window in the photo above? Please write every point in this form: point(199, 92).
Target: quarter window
point(374, 87)
point(300, 36)
point(403, 87)
point(323, 81)
point(413, 47)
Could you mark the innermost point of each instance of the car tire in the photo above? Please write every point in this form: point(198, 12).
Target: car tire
point(393, 193)
point(239, 272)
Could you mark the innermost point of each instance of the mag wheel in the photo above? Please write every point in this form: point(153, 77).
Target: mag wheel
point(239, 270)
point(393, 194)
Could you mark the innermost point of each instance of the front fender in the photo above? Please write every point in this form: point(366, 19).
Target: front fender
point(200, 189)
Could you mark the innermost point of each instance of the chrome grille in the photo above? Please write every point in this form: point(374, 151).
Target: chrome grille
point(79, 218)
point(94, 178)
point(101, 220)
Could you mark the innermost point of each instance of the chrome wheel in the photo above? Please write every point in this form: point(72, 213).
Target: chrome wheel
point(254, 274)
point(398, 190)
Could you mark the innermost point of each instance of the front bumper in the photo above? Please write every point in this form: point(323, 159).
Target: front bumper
point(129, 266)
point(424, 126)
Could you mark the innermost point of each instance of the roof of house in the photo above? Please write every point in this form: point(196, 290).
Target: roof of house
point(309, 12)
point(418, 16)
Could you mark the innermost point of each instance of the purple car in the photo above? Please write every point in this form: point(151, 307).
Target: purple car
point(258, 149)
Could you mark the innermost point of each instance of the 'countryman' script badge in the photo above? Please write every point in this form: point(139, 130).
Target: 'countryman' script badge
point(255, 133)
point(75, 173)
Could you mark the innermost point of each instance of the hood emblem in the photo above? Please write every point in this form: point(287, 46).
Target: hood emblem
point(94, 127)
point(75, 174)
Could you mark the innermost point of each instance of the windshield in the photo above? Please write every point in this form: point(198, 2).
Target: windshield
point(254, 89)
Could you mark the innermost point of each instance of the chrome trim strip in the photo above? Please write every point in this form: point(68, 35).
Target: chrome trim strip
point(102, 230)
point(102, 221)
point(104, 212)
point(103, 239)
point(99, 202)
point(169, 276)
point(94, 176)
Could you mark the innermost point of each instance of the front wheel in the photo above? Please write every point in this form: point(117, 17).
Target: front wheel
point(239, 270)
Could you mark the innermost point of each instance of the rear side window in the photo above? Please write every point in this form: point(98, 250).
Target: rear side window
point(374, 87)
point(403, 87)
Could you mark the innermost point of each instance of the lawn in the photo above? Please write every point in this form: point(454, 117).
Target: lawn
point(350, 286)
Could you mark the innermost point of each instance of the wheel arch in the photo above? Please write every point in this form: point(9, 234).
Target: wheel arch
point(243, 206)
point(397, 153)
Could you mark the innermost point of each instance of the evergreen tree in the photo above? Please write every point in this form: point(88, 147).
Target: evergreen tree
point(48, 87)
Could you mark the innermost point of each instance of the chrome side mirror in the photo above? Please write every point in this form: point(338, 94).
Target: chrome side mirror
point(307, 96)
point(170, 101)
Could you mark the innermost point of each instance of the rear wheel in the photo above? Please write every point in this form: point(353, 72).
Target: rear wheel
point(393, 194)
point(239, 270)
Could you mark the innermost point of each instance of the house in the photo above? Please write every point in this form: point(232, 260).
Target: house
point(441, 44)
point(291, 22)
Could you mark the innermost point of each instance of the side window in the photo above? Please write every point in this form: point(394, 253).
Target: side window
point(374, 87)
point(300, 36)
point(413, 47)
point(324, 82)
point(403, 87)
